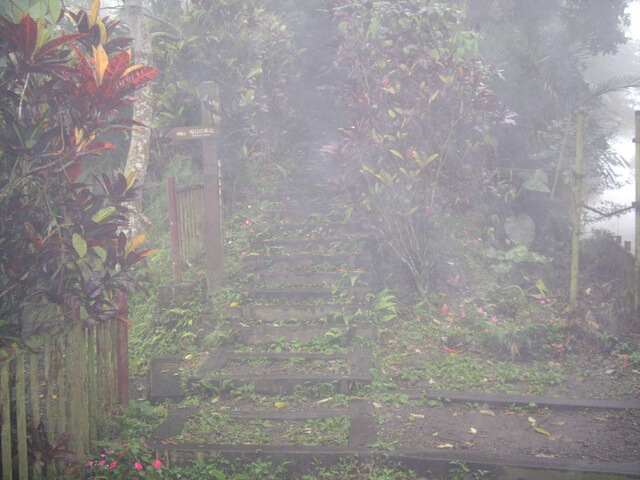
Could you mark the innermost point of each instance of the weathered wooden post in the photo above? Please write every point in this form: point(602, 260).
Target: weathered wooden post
point(173, 229)
point(208, 134)
point(636, 206)
point(212, 226)
point(121, 352)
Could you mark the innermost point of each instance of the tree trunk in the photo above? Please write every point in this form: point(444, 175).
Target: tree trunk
point(138, 157)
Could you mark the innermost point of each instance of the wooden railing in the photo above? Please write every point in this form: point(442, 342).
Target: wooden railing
point(186, 217)
point(54, 389)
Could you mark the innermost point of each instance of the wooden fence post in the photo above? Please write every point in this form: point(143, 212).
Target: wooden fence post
point(5, 419)
point(636, 204)
point(121, 350)
point(212, 226)
point(173, 229)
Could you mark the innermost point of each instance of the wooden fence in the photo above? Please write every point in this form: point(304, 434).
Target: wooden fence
point(53, 393)
point(186, 214)
point(620, 259)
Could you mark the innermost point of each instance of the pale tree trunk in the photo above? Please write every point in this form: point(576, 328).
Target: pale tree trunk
point(138, 157)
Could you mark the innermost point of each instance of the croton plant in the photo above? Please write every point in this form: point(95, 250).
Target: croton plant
point(62, 238)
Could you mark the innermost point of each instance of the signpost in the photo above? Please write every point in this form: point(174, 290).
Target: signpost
point(208, 134)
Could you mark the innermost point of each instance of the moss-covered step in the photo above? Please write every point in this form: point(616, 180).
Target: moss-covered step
point(351, 242)
point(294, 313)
point(311, 261)
point(302, 338)
point(305, 294)
point(282, 373)
point(310, 278)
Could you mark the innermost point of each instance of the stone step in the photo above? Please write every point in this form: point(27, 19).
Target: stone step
point(310, 229)
point(291, 313)
point(294, 212)
point(301, 294)
point(290, 262)
point(312, 244)
point(309, 278)
point(275, 377)
point(263, 334)
point(361, 429)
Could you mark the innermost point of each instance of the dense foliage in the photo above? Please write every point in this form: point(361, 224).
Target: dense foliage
point(422, 110)
point(246, 50)
point(61, 239)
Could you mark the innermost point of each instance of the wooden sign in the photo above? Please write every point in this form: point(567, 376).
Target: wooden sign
point(192, 133)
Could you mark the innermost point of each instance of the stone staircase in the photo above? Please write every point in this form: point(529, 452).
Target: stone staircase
point(300, 333)
point(288, 369)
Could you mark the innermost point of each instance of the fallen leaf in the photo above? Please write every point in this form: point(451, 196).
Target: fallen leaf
point(280, 404)
point(542, 431)
point(544, 455)
point(445, 445)
point(532, 420)
point(626, 364)
point(416, 415)
point(431, 381)
point(188, 357)
point(450, 350)
point(376, 405)
point(473, 431)
point(469, 444)
point(488, 412)
point(489, 362)
point(233, 304)
point(434, 434)
point(324, 400)
point(558, 423)
point(437, 322)
point(610, 371)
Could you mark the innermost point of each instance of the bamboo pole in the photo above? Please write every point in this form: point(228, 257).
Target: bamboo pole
point(577, 213)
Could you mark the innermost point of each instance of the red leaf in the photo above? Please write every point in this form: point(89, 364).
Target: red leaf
point(117, 65)
point(136, 79)
point(125, 320)
point(74, 171)
point(450, 350)
point(57, 42)
point(28, 36)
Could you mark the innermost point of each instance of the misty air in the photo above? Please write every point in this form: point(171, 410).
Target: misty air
point(319, 239)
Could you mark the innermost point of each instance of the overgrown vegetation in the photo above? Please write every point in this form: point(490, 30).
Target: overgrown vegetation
point(61, 237)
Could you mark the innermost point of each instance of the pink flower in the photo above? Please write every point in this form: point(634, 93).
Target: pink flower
point(480, 310)
point(494, 319)
point(157, 464)
point(89, 464)
point(463, 315)
point(138, 466)
point(101, 462)
point(113, 465)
